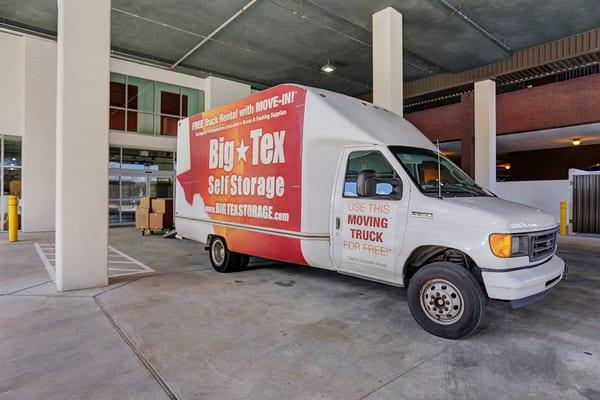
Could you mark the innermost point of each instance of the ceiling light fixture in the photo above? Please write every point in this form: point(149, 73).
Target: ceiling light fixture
point(328, 68)
point(576, 142)
point(507, 166)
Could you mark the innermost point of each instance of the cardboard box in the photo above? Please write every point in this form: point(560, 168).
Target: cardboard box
point(142, 218)
point(160, 221)
point(162, 206)
point(146, 202)
point(14, 188)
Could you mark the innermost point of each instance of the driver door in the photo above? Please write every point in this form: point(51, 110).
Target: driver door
point(370, 210)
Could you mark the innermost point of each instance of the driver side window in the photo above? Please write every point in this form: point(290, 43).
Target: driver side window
point(369, 174)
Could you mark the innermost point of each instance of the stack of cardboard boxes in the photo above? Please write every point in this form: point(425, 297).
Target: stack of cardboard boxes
point(154, 214)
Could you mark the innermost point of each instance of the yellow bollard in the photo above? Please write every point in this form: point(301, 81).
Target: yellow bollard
point(13, 218)
point(563, 218)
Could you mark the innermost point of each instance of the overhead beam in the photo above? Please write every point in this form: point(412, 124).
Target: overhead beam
point(213, 33)
point(476, 26)
point(585, 43)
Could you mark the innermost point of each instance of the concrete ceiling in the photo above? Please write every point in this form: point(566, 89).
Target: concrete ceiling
point(278, 41)
point(548, 138)
point(536, 140)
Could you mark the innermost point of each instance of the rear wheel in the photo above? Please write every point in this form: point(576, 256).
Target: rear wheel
point(221, 259)
point(447, 301)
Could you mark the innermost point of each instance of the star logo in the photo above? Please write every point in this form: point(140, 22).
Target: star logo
point(241, 150)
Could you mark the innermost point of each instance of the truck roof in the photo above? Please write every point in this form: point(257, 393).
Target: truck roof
point(354, 121)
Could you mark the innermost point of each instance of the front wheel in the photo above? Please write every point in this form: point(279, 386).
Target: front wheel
point(447, 301)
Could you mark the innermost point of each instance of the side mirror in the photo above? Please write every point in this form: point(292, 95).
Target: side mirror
point(366, 183)
point(391, 188)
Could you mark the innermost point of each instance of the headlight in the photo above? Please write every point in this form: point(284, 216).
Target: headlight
point(505, 245)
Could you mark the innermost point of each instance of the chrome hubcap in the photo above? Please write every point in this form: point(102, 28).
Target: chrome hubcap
point(441, 301)
point(218, 251)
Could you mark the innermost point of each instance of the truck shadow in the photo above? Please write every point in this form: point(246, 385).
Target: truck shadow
point(569, 309)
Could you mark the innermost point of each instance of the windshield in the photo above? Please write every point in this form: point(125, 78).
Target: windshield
point(422, 166)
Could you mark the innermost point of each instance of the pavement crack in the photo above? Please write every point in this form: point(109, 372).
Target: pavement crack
point(27, 288)
point(145, 362)
point(402, 374)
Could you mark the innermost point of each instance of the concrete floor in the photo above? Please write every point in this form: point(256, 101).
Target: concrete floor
point(279, 331)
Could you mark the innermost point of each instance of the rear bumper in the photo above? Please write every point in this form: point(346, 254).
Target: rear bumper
point(524, 283)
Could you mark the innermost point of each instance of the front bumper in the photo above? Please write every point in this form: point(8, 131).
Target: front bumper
point(522, 283)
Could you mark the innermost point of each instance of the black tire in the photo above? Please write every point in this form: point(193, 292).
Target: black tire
point(455, 309)
point(221, 259)
point(244, 260)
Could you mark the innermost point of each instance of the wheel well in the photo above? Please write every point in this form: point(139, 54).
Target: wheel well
point(424, 255)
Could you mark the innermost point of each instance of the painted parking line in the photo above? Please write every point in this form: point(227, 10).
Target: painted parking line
point(119, 263)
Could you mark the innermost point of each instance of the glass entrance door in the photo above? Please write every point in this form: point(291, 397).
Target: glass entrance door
point(133, 187)
point(133, 174)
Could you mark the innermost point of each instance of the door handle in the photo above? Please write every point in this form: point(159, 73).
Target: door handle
point(337, 222)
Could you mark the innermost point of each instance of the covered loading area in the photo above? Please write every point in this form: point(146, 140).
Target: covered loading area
point(90, 104)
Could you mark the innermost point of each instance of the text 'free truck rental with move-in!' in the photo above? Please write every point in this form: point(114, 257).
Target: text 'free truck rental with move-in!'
point(307, 176)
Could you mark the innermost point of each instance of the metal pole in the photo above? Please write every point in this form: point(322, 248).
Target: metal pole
point(477, 27)
point(13, 218)
point(439, 170)
point(213, 33)
point(563, 218)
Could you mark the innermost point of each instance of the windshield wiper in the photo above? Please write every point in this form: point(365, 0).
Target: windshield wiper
point(466, 189)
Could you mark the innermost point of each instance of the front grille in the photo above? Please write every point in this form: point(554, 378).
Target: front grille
point(542, 244)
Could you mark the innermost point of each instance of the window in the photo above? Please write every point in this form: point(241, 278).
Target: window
point(10, 174)
point(377, 172)
point(431, 179)
point(144, 106)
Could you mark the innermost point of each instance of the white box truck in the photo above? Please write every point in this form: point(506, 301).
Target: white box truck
point(311, 177)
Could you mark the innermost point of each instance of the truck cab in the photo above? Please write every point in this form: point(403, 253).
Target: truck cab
point(408, 216)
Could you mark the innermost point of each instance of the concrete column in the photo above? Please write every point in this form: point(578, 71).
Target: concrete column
point(387, 60)
point(485, 134)
point(83, 76)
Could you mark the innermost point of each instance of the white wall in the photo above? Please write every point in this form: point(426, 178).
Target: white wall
point(12, 78)
point(221, 91)
point(141, 141)
point(39, 142)
point(546, 195)
point(156, 74)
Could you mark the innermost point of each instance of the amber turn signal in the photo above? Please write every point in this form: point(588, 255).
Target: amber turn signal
point(500, 243)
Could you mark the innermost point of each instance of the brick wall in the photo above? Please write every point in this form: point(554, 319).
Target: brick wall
point(572, 102)
point(451, 122)
point(567, 103)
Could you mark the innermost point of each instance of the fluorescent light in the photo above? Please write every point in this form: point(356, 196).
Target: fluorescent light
point(576, 142)
point(328, 68)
